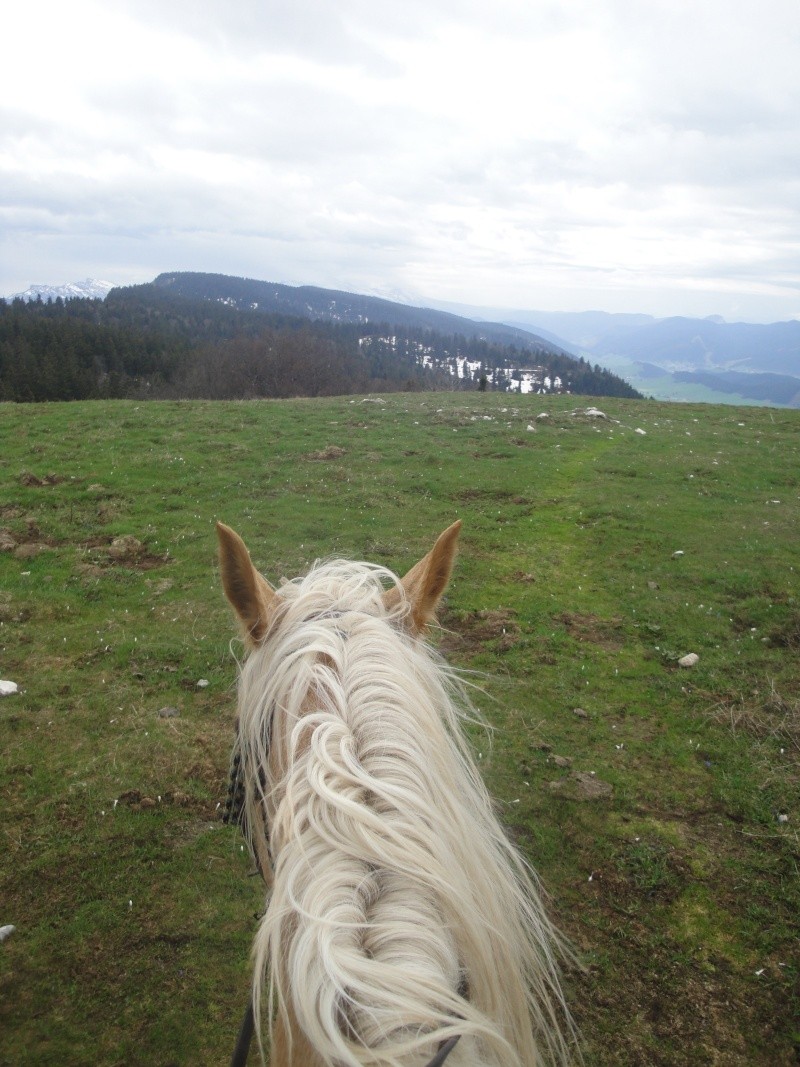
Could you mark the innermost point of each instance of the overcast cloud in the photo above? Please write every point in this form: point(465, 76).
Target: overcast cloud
point(562, 156)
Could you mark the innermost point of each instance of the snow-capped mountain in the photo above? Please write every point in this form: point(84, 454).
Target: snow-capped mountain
point(91, 288)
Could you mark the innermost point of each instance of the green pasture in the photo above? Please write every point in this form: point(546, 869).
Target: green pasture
point(660, 804)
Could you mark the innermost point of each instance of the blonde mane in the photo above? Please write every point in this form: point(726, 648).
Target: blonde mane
point(399, 914)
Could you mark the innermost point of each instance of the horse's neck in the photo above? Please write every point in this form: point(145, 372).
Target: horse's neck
point(294, 1053)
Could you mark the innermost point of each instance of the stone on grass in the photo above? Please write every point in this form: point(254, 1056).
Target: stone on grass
point(8, 688)
point(590, 787)
point(581, 785)
point(168, 713)
point(126, 547)
point(689, 661)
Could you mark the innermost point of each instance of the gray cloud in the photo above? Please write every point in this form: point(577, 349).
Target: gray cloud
point(576, 152)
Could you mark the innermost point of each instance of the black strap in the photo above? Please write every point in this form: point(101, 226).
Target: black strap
point(239, 1058)
point(444, 1051)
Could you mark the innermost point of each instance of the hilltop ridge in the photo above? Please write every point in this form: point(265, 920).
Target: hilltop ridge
point(213, 336)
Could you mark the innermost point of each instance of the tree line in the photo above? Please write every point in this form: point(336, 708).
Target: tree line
point(143, 342)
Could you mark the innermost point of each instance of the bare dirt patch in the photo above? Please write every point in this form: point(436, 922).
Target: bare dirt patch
point(29, 479)
point(126, 551)
point(328, 453)
point(471, 631)
point(587, 627)
point(7, 541)
point(30, 550)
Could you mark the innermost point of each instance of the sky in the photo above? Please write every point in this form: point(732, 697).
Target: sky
point(521, 154)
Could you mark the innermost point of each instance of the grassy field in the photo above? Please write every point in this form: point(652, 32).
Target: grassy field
point(660, 804)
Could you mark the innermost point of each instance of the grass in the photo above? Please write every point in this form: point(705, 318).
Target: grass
point(652, 815)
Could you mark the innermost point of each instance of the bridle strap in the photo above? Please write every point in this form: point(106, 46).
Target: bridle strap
point(246, 1030)
point(444, 1051)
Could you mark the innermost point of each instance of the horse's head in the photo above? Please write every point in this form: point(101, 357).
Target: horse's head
point(400, 918)
point(257, 604)
point(263, 616)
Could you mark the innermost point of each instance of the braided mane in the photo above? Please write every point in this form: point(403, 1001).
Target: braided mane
point(399, 914)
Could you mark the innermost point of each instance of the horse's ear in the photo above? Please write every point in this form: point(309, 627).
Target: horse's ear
point(427, 580)
point(250, 595)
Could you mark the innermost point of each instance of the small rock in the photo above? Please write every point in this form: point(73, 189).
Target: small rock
point(689, 661)
point(543, 415)
point(782, 817)
point(531, 429)
point(203, 683)
point(595, 413)
point(168, 713)
point(652, 585)
point(6, 931)
point(7, 542)
point(562, 761)
point(678, 554)
point(580, 713)
point(126, 547)
point(640, 431)
point(8, 688)
point(590, 787)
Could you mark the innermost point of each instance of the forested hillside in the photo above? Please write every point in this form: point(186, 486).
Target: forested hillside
point(150, 341)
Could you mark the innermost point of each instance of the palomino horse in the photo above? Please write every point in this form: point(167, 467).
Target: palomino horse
point(402, 928)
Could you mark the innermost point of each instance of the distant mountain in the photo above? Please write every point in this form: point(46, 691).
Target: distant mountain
point(574, 330)
point(333, 305)
point(780, 389)
point(91, 289)
point(672, 357)
point(681, 344)
point(709, 359)
point(216, 337)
